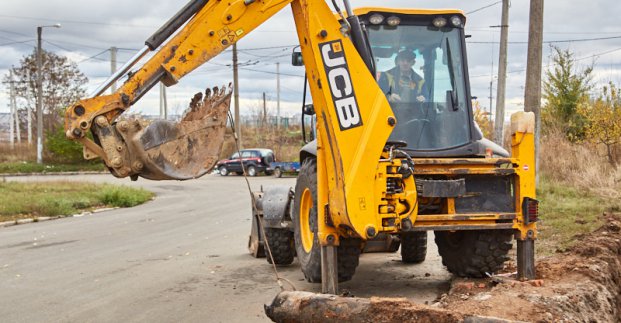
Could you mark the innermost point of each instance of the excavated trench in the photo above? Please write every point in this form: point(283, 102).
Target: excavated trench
point(580, 285)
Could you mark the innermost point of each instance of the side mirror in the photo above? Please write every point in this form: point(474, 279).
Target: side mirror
point(296, 59)
point(309, 109)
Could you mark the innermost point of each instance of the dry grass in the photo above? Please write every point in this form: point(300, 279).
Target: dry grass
point(582, 166)
point(577, 185)
point(21, 152)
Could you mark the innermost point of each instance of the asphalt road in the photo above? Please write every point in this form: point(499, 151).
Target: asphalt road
point(179, 258)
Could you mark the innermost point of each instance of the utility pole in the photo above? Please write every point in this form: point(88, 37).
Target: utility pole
point(18, 132)
point(12, 113)
point(40, 93)
point(29, 121)
point(163, 102)
point(264, 118)
point(39, 97)
point(236, 96)
point(15, 129)
point(532, 102)
point(277, 95)
point(532, 91)
point(113, 51)
point(502, 74)
point(491, 87)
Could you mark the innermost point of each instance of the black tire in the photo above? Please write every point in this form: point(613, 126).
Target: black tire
point(251, 171)
point(278, 172)
point(348, 256)
point(223, 170)
point(474, 253)
point(413, 247)
point(348, 252)
point(310, 261)
point(281, 244)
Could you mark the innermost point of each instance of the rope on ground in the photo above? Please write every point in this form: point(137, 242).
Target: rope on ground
point(279, 279)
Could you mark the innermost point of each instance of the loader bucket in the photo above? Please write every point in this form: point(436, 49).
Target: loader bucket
point(167, 150)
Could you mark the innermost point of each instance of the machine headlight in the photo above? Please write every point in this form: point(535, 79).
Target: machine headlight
point(456, 21)
point(439, 22)
point(393, 21)
point(376, 19)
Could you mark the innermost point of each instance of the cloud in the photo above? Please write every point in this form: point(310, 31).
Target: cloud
point(91, 27)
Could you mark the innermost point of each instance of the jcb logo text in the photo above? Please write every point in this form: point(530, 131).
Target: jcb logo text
point(341, 86)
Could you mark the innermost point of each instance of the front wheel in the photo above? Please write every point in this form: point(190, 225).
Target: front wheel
point(278, 172)
point(223, 171)
point(304, 216)
point(252, 171)
point(474, 253)
point(307, 247)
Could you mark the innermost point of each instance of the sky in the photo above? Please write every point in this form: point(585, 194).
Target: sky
point(590, 29)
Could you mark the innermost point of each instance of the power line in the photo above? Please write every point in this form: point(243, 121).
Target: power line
point(549, 32)
point(12, 32)
point(56, 45)
point(17, 42)
point(94, 57)
point(548, 65)
point(550, 41)
point(485, 7)
point(267, 72)
point(75, 21)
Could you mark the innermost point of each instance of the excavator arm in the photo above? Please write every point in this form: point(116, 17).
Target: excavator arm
point(163, 149)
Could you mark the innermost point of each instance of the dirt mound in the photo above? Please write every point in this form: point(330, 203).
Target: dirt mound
point(580, 285)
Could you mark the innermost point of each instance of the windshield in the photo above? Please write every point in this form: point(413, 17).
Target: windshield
point(420, 69)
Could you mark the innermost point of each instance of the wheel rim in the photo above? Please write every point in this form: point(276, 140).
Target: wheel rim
point(307, 235)
point(222, 170)
point(252, 171)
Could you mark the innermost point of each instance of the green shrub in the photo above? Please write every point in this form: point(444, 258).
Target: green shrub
point(61, 149)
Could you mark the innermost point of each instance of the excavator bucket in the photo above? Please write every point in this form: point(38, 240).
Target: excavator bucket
point(167, 150)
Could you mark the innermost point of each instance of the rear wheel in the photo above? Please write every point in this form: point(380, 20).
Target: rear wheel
point(474, 253)
point(278, 172)
point(223, 170)
point(307, 245)
point(281, 245)
point(413, 247)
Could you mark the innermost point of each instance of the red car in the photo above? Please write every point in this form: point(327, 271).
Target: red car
point(255, 160)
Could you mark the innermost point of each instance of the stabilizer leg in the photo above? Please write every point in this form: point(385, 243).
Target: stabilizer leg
point(526, 259)
point(329, 270)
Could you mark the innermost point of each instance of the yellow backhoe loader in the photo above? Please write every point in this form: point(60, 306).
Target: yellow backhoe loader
point(384, 163)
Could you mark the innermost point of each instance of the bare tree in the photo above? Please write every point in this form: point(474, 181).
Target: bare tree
point(63, 84)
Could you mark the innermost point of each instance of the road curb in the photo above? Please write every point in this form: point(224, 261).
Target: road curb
point(53, 174)
point(48, 218)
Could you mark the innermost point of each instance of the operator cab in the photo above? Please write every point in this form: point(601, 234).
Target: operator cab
point(430, 97)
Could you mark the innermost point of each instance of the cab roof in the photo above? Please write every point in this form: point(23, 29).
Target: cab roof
point(366, 10)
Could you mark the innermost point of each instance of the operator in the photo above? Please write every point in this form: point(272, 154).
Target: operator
point(401, 84)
